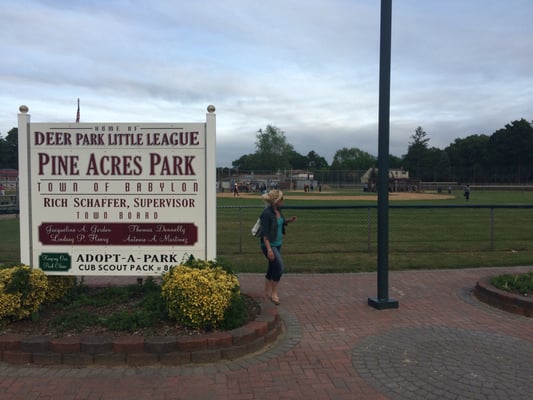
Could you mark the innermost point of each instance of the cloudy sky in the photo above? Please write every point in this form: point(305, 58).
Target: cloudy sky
point(310, 68)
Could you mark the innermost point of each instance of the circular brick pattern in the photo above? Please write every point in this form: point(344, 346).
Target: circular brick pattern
point(445, 363)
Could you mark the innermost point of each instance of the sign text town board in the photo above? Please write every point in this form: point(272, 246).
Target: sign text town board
point(116, 198)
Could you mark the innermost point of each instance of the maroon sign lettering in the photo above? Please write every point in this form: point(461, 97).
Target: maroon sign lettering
point(118, 234)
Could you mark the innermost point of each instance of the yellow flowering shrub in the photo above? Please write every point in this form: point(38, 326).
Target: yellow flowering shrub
point(23, 289)
point(198, 297)
point(9, 304)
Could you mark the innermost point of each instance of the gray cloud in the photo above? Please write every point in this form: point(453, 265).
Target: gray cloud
point(309, 68)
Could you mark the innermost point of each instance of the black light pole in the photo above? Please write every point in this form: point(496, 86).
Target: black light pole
point(382, 301)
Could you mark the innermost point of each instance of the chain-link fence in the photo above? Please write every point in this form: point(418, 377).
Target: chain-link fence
point(330, 231)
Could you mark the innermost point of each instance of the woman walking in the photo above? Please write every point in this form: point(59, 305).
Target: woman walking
point(272, 230)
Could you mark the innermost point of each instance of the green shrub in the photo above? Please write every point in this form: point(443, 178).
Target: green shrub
point(236, 314)
point(58, 286)
point(112, 295)
point(203, 264)
point(518, 283)
point(82, 295)
point(146, 308)
point(152, 300)
point(130, 320)
point(74, 294)
point(198, 297)
point(74, 321)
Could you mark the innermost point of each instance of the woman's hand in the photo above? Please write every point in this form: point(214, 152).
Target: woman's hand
point(292, 219)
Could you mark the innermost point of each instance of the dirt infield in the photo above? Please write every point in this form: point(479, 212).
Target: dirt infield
point(340, 196)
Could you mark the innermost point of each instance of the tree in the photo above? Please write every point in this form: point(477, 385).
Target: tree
point(352, 159)
point(467, 156)
point(273, 152)
point(316, 162)
point(248, 162)
point(437, 166)
point(273, 149)
point(512, 147)
point(395, 162)
point(417, 152)
point(9, 150)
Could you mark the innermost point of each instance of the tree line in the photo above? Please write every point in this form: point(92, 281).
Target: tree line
point(505, 156)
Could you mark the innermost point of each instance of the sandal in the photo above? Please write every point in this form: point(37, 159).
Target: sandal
point(275, 300)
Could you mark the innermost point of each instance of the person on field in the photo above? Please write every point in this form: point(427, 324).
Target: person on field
point(467, 192)
point(235, 190)
point(273, 225)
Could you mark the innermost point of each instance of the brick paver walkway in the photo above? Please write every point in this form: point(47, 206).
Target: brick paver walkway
point(439, 344)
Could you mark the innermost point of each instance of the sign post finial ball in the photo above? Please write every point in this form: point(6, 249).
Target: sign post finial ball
point(211, 108)
point(23, 109)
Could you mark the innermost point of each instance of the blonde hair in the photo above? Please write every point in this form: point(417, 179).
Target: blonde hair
point(273, 197)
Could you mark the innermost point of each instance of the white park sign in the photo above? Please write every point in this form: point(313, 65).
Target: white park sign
point(116, 198)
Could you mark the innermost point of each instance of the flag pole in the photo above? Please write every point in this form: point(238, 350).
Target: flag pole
point(78, 112)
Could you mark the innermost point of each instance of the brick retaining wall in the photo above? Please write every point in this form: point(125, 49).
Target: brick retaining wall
point(140, 350)
point(503, 300)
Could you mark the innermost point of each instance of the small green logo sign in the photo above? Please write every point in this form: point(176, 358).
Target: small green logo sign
point(55, 262)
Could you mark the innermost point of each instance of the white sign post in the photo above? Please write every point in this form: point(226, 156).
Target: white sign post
point(116, 198)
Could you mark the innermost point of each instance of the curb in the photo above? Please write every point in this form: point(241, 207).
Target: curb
point(141, 351)
point(510, 302)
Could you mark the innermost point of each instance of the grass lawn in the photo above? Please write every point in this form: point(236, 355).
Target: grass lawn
point(345, 240)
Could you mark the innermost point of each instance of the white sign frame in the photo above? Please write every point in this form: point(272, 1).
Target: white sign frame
point(116, 198)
